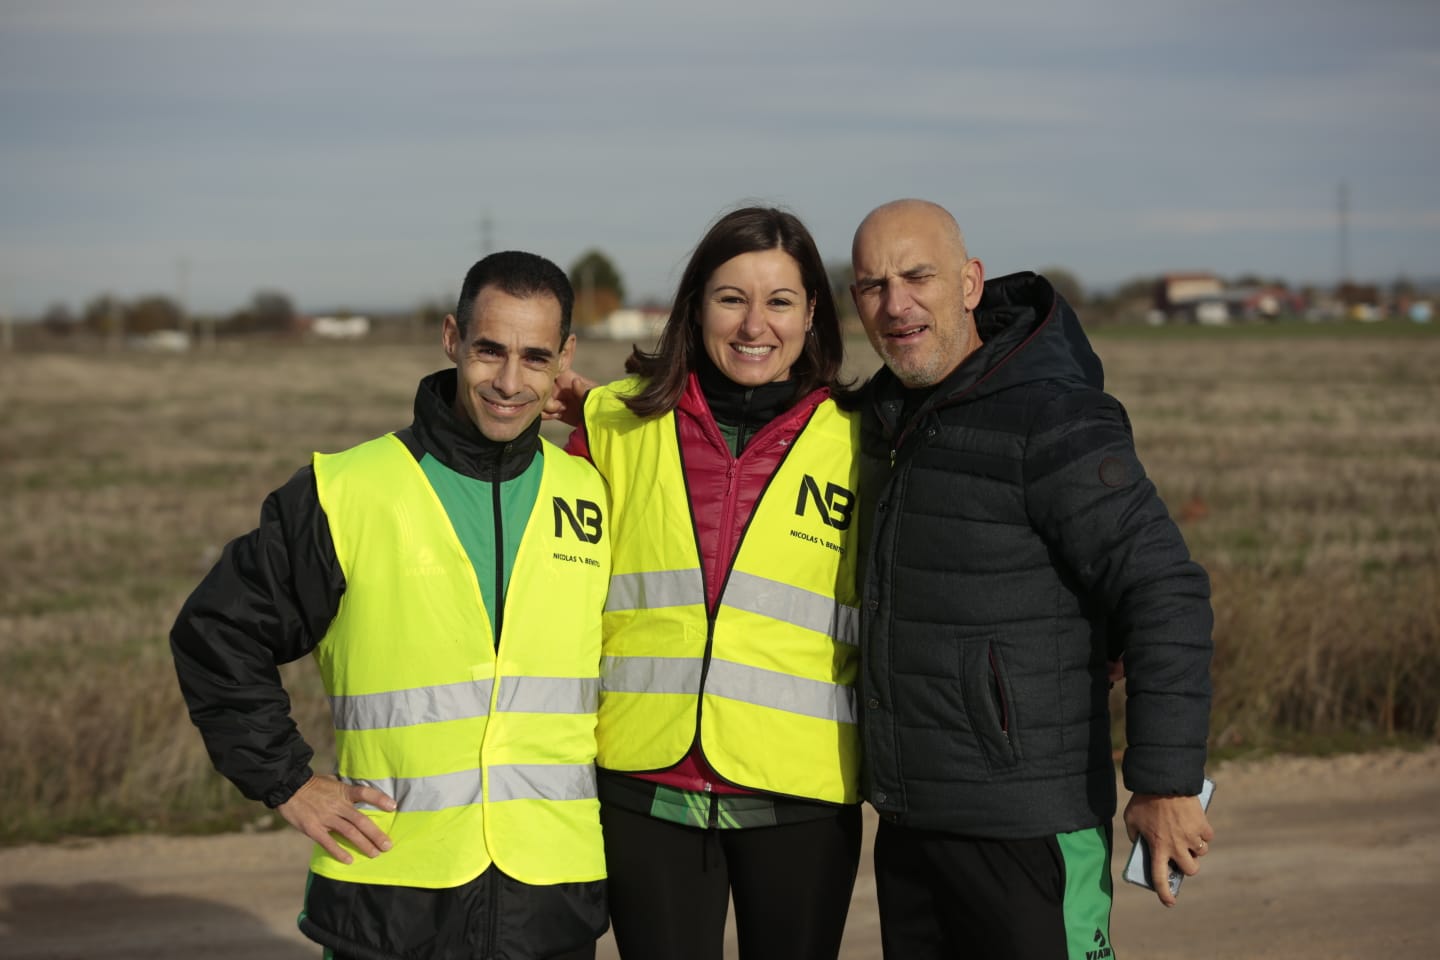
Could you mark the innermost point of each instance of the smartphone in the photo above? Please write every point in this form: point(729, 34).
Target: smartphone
point(1137, 870)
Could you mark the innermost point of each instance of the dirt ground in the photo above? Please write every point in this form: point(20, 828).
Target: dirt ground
point(1333, 858)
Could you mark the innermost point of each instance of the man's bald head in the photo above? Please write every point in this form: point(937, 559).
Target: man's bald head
point(916, 213)
point(915, 287)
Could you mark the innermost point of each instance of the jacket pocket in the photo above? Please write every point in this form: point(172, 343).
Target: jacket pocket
point(989, 704)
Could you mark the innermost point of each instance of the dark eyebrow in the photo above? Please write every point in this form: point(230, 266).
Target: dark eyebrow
point(909, 273)
point(731, 286)
point(485, 343)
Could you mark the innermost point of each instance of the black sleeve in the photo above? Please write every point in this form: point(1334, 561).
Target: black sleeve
point(267, 601)
point(1088, 495)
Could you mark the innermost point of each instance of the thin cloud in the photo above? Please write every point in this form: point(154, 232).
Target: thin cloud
point(1195, 222)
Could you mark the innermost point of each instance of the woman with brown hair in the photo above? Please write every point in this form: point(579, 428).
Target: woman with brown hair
point(727, 726)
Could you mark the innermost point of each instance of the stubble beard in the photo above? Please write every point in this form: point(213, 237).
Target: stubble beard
point(918, 370)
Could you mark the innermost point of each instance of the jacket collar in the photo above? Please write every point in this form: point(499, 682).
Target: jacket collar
point(456, 442)
point(735, 405)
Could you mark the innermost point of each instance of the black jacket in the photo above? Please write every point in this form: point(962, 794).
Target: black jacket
point(1012, 544)
point(269, 600)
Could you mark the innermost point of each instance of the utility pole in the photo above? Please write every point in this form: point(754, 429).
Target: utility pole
point(114, 323)
point(1344, 202)
point(7, 331)
point(182, 294)
point(487, 244)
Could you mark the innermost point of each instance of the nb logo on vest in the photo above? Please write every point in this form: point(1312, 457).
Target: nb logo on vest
point(584, 520)
point(835, 506)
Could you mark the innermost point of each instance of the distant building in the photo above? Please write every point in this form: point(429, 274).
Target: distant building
point(163, 341)
point(1192, 297)
point(1361, 301)
point(1266, 302)
point(638, 324)
point(340, 328)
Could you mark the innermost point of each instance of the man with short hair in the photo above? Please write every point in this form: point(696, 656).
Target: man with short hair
point(421, 569)
point(1013, 546)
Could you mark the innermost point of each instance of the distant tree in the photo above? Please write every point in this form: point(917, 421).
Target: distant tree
point(152, 313)
point(841, 274)
point(594, 269)
point(429, 315)
point(1402, 288)
point(1255, 280)
point(58, 320)
point(105, 316)
point(1066, 284)
point(270, 311)
point(273, 310)
point(1126, 303)
point(599, 291)
point(1137, 288)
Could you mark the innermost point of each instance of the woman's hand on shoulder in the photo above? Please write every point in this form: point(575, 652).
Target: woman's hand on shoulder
point(567, 403)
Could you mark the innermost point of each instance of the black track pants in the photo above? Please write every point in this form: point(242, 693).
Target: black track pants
point(953, 897)
point(670, 886)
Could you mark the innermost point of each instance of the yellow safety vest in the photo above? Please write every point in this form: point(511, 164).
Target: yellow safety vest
point(775, 669)
point(489, 757)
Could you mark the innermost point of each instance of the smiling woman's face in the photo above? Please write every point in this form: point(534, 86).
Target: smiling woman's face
point(755, 317)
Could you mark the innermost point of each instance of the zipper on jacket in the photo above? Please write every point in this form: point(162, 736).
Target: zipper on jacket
point(742, 432)
point(492, 935)
point(497, 616)
point(727, 526)
point(999, 693)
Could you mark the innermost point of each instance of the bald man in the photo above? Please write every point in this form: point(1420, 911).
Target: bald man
point(1013, 546)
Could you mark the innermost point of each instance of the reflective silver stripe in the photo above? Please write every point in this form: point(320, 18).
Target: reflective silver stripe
point(655, 589)
point(790, 604)
point(515, 781)
point(404, 708)
point(440, 792)
point(766, 688)
point(542, 781)
point(548, 695)
point(650, 674)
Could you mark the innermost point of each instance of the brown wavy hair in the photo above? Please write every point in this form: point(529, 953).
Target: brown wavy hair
point(746, 230)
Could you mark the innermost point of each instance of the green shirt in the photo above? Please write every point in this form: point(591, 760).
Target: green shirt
point(491, 546)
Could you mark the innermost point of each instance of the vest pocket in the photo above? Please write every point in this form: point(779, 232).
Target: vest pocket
point(989, 704)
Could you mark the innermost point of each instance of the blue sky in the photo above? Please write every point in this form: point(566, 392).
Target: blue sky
point(346, 153)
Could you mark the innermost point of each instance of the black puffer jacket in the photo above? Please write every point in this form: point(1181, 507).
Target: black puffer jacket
point(1013, 543)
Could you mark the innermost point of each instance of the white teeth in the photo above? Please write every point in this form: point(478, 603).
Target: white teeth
point(753, 351)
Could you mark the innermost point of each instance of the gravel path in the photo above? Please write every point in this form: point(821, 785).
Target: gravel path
point(1335, 858)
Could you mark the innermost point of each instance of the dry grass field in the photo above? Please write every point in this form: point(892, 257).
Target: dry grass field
point(1305, 472)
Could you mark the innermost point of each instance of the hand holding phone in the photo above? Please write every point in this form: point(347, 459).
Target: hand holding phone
point(1137, 868)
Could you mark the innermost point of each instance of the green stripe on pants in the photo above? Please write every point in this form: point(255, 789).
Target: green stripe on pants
point(1088, 893)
